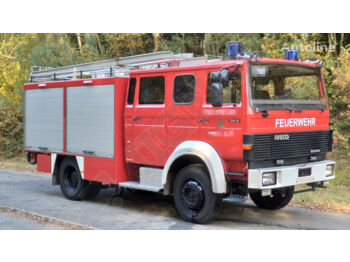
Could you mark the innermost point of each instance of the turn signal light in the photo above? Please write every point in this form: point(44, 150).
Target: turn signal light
point(247, 147)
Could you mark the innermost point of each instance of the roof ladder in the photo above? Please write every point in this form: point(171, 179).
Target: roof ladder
point(115, 67)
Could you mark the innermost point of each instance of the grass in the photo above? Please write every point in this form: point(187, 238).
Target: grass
point(335, 198)
point(17, 163)
point(333, 193)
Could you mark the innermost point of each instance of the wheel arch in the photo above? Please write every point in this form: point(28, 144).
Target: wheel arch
point(57, 161)
point(195, 152)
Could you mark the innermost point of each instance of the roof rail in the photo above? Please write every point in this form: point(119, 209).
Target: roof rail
point(116, 67)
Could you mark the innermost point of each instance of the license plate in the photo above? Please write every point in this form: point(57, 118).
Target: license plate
point(266, 192)
point(304, 172)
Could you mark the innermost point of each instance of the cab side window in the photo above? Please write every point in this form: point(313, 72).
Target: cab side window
point(184, 87)
point(232, 92)
point(131, 93)
point(152, 90)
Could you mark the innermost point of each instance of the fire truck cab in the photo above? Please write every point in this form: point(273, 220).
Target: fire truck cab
point(197, 129)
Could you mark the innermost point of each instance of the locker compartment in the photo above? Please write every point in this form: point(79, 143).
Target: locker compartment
point(43, 119)
point(90, 120)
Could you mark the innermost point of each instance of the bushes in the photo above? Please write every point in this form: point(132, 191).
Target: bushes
point(11, 129)
point(339, 100)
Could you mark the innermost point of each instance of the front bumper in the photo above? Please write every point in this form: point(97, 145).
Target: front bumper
point(289, 175)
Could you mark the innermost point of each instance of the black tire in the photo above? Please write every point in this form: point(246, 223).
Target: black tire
point(90, 191)
point(72, 185)
point(279, 198)
point(29, 158)
point(193, 195)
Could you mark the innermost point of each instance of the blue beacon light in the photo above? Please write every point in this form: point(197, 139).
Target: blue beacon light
point(234, 49)
point(291, 54)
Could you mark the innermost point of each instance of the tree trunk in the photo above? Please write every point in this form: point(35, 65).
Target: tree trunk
point(205, 44)
point(99, 45)
point(341, 43)
point(79, 43)
point(332, 41)
point(183, 44)
point(156, 38)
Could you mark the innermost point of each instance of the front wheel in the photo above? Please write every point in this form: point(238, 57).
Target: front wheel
point(193, 195)
point(279, 198)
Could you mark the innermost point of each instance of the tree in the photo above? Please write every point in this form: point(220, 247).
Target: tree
point(156, 37)
point(19, 52)
point(341, 98)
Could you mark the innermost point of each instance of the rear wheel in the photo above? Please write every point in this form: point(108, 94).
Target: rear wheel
point(193, 195)
point(72, 184)
point(279, 198)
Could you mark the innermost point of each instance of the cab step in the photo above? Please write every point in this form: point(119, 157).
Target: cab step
point(138, 185)
point(237, 199)
point(150, 180)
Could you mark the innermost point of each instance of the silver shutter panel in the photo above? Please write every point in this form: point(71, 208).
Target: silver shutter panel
point(90, 120)
point(43, 124)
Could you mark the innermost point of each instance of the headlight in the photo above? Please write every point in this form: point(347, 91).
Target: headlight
point(329, 170)
point(269, 178)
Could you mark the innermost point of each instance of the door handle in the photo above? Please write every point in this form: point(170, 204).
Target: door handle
point(204, 121)
point(87, 152)
point(136, 119)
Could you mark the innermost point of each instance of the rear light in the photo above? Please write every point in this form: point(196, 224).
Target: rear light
point(269, 178)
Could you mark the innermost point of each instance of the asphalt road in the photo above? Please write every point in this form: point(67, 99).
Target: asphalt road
point(29, 201)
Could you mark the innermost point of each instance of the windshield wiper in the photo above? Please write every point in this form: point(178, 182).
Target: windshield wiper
point(287, 108)
point(319, 107)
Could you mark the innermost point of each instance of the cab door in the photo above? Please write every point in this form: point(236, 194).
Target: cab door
point(149, 121)
point(128, 121)
point(183, 109)
point(222, 126)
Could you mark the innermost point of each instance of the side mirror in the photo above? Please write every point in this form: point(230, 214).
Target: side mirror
point(220, 76)
point(216, 94)
point(225, 77)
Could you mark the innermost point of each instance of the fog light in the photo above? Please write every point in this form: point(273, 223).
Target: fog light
point(269, 178)
point(329, 170)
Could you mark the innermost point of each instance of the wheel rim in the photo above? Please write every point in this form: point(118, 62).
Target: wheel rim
point(192, 195)
point(71, 179)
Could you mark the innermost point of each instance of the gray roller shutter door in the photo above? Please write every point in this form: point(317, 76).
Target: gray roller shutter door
point(43, 119)
point(90, 120)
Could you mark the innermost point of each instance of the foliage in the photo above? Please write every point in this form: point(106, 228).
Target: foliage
point(340, 94)
point(11, 129)
point(20, 52)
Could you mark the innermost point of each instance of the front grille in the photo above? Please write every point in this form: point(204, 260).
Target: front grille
point(299, 144)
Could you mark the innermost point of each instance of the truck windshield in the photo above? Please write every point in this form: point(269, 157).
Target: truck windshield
point(284, 86)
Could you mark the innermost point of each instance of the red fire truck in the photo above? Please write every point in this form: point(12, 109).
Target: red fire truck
point(197, 129)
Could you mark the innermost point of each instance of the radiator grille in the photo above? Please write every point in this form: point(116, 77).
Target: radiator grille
point(299, 144)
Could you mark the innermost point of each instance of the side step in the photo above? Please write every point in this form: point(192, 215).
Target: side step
point(237, 199)
point(150, 180)
point(137, 185)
